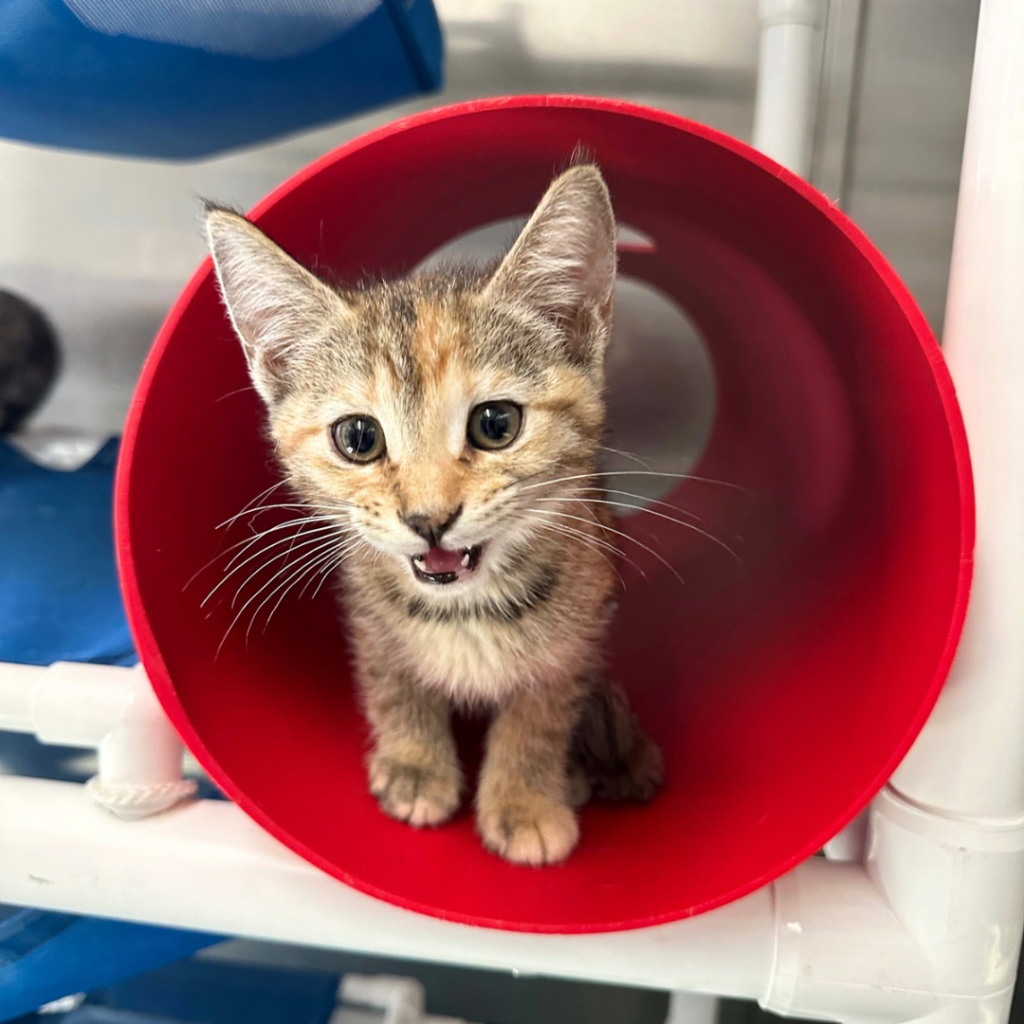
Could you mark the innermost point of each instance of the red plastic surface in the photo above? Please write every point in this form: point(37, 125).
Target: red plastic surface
point(783, 690)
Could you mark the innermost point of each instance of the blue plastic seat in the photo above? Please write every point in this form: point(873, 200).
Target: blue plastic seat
point(180, 79)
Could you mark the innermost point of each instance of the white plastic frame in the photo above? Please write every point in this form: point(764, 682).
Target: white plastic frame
point(922, 916)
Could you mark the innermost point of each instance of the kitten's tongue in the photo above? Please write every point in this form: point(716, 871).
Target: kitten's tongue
point(438, 560)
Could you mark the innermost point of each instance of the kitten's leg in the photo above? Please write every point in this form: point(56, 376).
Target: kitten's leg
point(526, 793)
point(616, 757)
point(413, 769)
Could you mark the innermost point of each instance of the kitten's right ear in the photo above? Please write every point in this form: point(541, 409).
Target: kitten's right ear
point(275, 304)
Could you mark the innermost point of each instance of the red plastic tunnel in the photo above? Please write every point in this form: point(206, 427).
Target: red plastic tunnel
point(783, 688)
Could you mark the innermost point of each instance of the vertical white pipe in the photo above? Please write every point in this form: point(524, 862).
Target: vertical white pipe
point(969, 761)
point(788, 79)
point(691, 1008)
point(947, 838)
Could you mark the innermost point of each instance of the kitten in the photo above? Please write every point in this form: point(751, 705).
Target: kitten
point(451, 421)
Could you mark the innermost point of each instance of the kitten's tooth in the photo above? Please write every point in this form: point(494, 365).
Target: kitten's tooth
point(465, 560)
point(419, 563)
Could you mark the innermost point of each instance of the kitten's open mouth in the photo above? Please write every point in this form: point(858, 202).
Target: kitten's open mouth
point(440, 565)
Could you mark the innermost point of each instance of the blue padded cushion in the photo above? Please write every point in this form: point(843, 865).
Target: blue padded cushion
point(190, 78)
point(59, 596)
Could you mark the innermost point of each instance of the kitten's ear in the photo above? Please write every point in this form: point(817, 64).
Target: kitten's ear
point(275, 304)
point(563, 263)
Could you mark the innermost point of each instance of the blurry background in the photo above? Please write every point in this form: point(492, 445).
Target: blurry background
point(104, 244)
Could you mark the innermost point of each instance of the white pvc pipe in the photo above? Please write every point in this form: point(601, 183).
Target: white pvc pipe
point(205, 865)
point(958, 888)
point(67, 703)
point(841, 954)
point(820, 939)
point(403, 1000)
point(110, 709)
point(687, 1008)
point(17, 688)
point(970, 758)
point(947, 836)
point(849, 844)
point(788, 81)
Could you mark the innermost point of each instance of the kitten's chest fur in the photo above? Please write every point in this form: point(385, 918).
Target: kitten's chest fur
point(547, 624)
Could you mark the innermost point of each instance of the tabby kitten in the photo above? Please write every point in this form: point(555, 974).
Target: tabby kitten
point(451, 422)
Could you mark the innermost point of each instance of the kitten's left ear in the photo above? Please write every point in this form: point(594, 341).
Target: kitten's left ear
point(563, 263)
point(277, 307)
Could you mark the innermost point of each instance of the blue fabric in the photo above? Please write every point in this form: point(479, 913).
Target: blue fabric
point(59, 601)
point(59, 596)
point(44, 956)
point(205, 992)
point(189, 78)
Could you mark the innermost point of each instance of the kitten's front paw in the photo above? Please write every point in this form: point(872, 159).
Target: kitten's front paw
point(528, 829)
point(420, 795)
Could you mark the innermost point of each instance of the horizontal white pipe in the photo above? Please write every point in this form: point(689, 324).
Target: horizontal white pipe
point(17, 693)
point(68, 703)
point(970, 758)
point(842, 955)
point(205, 865)
point(788, 81)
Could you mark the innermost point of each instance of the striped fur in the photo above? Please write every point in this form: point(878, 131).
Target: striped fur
point(525, 634)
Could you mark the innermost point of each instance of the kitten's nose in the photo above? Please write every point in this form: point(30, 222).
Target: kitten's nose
point(432, 527)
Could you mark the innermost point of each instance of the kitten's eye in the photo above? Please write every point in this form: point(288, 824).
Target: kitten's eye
point(358, 438)
point(494, 425)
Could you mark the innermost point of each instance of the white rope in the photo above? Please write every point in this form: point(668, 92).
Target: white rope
point(133, 802)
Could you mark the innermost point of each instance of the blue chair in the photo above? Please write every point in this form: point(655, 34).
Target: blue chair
point(178, 80)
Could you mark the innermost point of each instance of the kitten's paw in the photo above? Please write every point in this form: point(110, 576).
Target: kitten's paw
point(529, 829)
point(419, 795)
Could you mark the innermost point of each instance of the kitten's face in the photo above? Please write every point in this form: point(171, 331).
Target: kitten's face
point(429, 415)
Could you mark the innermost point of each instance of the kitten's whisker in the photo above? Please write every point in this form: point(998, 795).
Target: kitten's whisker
point(668, 565)
point(277, 575)
point(261, 551)
point(246, 543)
point(304, 546)
point(325, 574)
point(584, 542)
point(651, 501)
point(634, 472)
point(582, 536)
point(530, 476)
point(660, 515)
point(234, 565)
point(249, 505)
point(310, 567)
point(264, 493)
point(305, 505)
point(580, 491)
point(255, 538)
point(344, 549)
point(237, 391)
point(626, 455)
